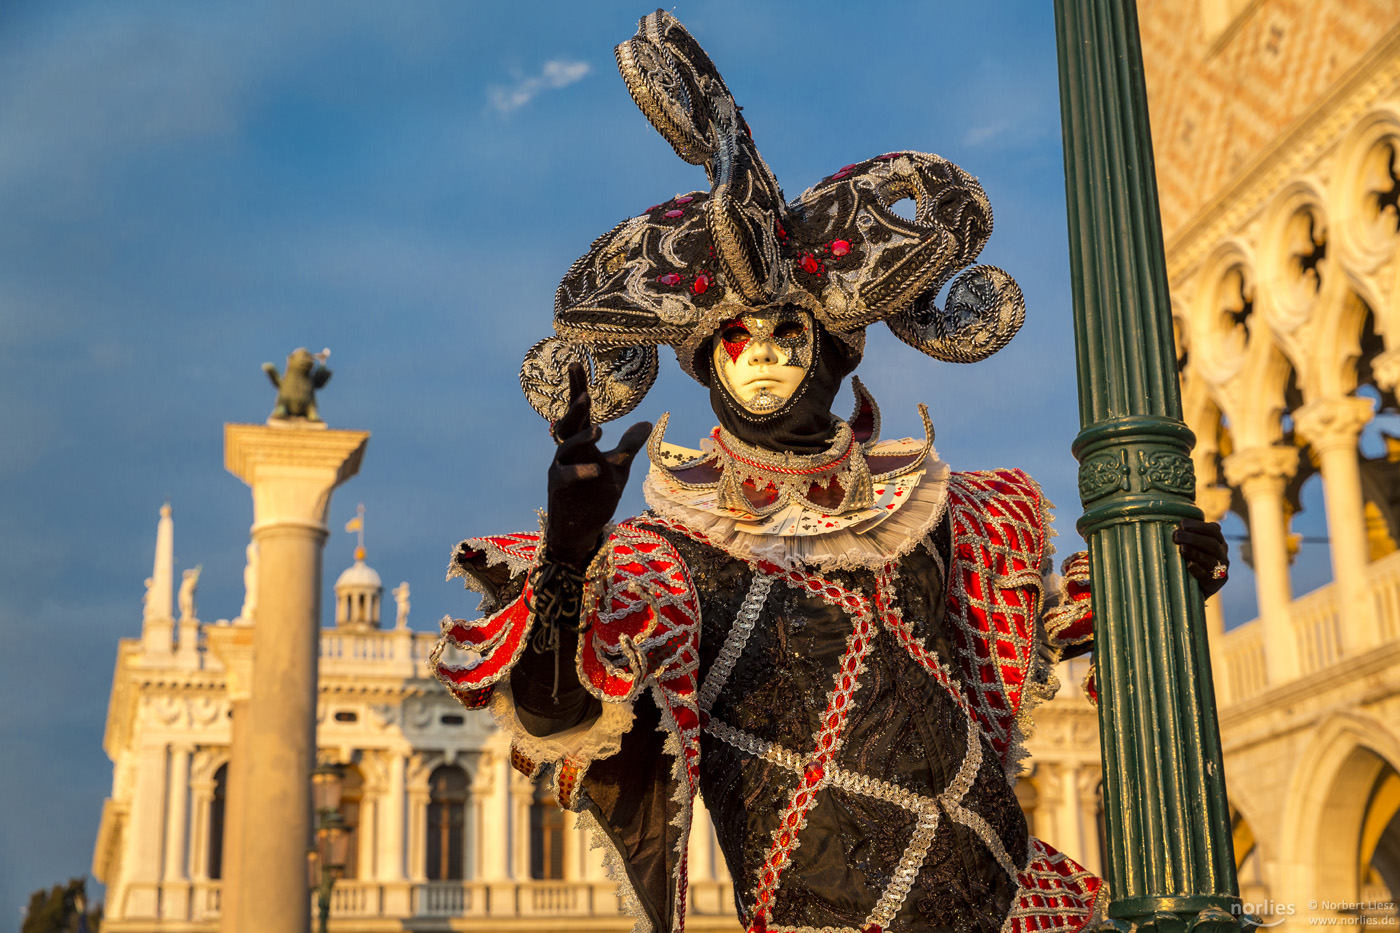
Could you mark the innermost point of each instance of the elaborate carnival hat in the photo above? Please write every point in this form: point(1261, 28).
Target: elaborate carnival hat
point(675, 273)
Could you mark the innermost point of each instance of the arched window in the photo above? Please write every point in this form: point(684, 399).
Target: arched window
point(447, 816)
point(352, 792)
point(546, 835)
point(216, 823)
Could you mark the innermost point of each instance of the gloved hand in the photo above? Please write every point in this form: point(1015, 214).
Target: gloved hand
point(585, 483)
point(1207, 556)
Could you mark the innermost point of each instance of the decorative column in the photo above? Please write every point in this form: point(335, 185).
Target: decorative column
point(1046, 778)
point(233, 645)
point(1070, 820)
point(493, 827)
point(201, 798)
point(390, 812)
point(1170, 861)
point(1088, 788)
point(292, 468)
point(1262, 474)
point(1332, 426)
point(175, 903)
point(418, 796)
point(147, 817)
point(522, 794)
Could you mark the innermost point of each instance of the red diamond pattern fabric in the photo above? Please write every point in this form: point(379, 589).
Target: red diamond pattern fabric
point(1055, 893)
point(1000, 555)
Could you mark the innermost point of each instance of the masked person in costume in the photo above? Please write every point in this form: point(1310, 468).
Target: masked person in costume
point(836, 639)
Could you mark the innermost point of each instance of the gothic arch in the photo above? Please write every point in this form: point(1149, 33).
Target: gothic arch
point(1364, 236)
point(1338, 346)
point(1291, 282)
point(1218, 344)
point(1326, 804)
point(1256, 402)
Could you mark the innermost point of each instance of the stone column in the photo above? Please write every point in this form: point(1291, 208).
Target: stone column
point(1088, 787)
point(292, 470)
point(1261, 473)
point(522, 794)
point(1071, 819)
point(201, 798)
point(391, 813)
point(175, 902)
point(417, 818)
point(1332, 426)
point(147, 815)
point(233, 645)
point(494, 828)
point(391, 819)
point(1049, 804)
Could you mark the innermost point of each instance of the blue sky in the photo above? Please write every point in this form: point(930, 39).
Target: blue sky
point(188, 190)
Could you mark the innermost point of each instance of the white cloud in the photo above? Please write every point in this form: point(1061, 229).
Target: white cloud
point(555, 74)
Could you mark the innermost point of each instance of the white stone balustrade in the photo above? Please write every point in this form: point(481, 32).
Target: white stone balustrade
point(1320, 631)
point(200, 902)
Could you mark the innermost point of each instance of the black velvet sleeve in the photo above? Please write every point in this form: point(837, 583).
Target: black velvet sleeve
point(545, 704)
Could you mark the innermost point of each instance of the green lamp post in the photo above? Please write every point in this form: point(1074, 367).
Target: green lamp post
point(327, 857)
point(1170, 861)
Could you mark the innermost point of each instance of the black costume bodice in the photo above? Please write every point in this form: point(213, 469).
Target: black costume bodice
point(891, 825)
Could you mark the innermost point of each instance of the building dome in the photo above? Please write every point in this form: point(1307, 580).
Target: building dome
point(359, 574)
point(357, 594)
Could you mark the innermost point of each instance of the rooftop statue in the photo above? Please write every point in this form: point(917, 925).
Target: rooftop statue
point(296, 387)
point(188, 584)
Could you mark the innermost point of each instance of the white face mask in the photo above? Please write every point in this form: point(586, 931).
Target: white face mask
point(763, 357)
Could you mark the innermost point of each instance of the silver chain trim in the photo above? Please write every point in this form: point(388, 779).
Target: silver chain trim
point(735, 641)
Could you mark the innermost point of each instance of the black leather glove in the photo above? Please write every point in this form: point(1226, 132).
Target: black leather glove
point(1207, 556)
point(585, 483)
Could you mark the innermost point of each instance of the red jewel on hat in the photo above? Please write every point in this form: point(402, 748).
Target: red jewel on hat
point(675, 213)
point(840, 248)
point(702, 282)
point(670, 278)
point(814, 772)
point(872, 928)
point(809, 264)
point(844, 171)
point(652, 208)
point(685, 200)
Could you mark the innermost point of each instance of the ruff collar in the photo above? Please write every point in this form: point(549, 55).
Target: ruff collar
point(861, 502)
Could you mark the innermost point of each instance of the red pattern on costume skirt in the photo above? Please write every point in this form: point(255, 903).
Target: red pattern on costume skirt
point(1055, 893)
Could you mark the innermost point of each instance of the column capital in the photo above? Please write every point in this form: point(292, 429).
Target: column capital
point(1214, 501)
point(233, 645)
point(292, 470)
point(1258, 469)
point(1336, 422)
point(1386, 369)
